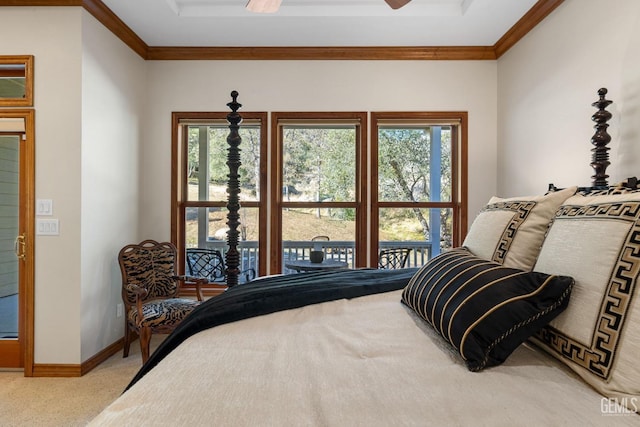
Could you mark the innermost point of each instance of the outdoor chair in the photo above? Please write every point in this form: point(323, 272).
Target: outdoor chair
point(393, 258)
point(150, 290)
point(209, 264)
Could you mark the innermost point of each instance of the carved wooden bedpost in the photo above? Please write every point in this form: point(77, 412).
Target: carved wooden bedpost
point(233, 191)
point(600, 157)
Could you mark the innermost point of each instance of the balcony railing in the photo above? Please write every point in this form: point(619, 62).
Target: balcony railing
point(421, 251)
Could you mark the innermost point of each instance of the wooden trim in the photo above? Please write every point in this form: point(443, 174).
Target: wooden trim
point(263, 217)
point(29, 229)
point(459, 172)
point(533, 17)
point(56, 370)
point(463, 207)
point(11, 73)
point(27, 61)
point(387, 53)
point(374, 220)
point(190, 291)
point(11, 354)
point(114, 24)
point(275, 237)
point(41, 2)
point(460, 179)
point(68, 370)
point(99, 11)
point(323, 53)
point(362, 195)
point(178, 166)
point(26, 228)
point(101, 356)
point(359, 119)
point(177, 225)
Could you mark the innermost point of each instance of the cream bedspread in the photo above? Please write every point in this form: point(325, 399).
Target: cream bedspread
point(362, 362)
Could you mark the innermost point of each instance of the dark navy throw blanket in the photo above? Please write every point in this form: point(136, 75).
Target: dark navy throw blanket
point(277, 293)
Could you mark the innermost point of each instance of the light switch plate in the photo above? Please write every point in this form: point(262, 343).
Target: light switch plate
point(47, 227)
point(44, 207)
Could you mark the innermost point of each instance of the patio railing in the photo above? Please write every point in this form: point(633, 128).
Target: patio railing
point(421, 251)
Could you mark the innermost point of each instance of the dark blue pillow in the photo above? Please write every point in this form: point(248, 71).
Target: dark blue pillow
point(483, 309)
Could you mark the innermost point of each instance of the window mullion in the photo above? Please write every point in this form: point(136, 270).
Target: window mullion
point(203, 184)
point(435, 157)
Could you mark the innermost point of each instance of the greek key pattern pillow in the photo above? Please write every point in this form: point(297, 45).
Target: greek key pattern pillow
point(510, 231)
point(597, 240)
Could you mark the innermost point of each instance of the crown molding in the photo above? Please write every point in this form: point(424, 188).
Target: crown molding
point(533, 17)
point(322, 53)
point(114, 24)
point(158, 53)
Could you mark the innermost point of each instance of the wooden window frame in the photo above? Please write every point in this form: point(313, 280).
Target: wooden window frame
point(280, 119)
point(459, 164)
point(179, 200)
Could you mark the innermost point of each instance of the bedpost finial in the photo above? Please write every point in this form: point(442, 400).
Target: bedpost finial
point(233, 192)
point(600, 157)
point(234, 105)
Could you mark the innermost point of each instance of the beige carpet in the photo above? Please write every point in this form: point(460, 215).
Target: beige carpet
point(66, 401)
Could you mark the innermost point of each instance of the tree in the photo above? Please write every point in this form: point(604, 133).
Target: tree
point(192, 152)
point(319, 162)
point(405, 167)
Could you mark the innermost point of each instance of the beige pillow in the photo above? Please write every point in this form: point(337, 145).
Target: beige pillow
point(510, 231)
point(596, 240)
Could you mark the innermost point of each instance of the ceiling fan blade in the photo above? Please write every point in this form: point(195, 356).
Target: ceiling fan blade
point(263, 6)
point(397, 4)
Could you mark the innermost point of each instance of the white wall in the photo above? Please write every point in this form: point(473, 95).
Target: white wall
point(113, 88)
point(316, 86)
point(52, 35)
point(546, 84)
point(88, 90)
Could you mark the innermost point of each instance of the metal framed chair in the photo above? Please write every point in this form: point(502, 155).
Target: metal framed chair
point(209, 264)
point(150, 290)
point(393, 258)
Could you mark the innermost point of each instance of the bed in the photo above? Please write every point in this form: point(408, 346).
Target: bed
point(533, 321)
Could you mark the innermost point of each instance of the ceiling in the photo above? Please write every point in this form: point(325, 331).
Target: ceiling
point(226, 23)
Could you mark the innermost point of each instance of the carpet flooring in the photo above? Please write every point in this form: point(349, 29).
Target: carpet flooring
point(67, 402)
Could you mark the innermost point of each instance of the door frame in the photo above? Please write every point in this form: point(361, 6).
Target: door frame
point(26, 267)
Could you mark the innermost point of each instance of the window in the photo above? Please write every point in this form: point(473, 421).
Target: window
point(327, 186)
point(199, 214)
point(318, 187)
point(417, 196)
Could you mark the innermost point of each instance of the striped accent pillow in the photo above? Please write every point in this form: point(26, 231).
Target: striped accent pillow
point(483, 309)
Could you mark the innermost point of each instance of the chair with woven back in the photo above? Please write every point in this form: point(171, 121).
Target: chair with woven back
point(393, 258)
point(209, 264)
point(150, 289)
